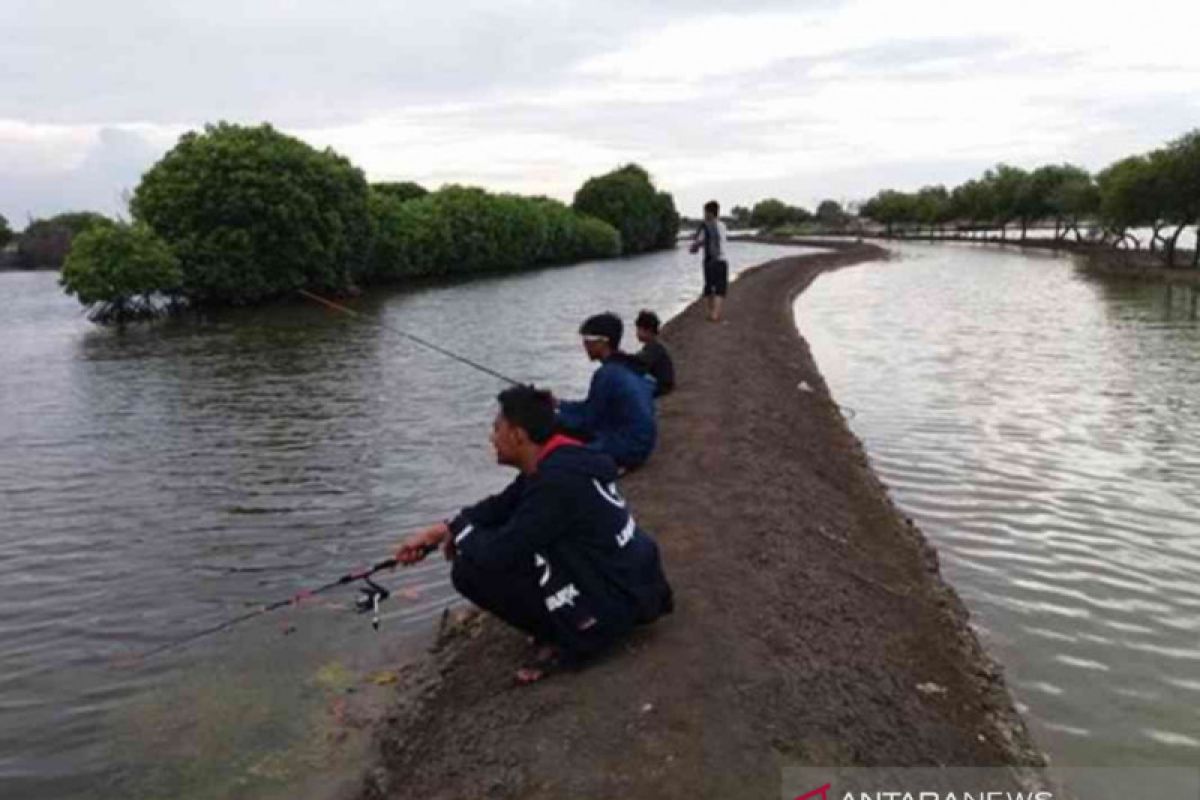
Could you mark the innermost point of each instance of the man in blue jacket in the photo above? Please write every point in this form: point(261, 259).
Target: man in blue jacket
point(557, 554)
point(618, 414)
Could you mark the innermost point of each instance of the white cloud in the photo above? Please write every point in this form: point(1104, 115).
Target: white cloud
point(47, 169)
point(696, 49)
point(31, 148)
point(535, 96)
point(439, 146)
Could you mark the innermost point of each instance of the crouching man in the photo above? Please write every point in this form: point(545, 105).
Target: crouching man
point(557, 554)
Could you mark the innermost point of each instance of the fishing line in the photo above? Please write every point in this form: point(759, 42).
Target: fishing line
point(373, 594)
point(411, 336)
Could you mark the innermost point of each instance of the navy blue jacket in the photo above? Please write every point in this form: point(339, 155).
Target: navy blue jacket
point(569, 522)
point(618, 413)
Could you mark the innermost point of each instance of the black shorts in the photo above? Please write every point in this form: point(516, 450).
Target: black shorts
point(716, 278)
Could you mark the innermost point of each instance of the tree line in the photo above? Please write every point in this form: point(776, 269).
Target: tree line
point(773, 214)
point(1158, 191)
point(236, 215)
point(44, 243)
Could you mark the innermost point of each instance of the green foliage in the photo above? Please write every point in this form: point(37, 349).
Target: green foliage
point(740, 216)
point(931, 206)
point(626, 199)
point(594, 239)
point(6, 234)
point(831, 215)
point(668, 222)
point(1069, 192)
point(1159, 190)
point(773, 213)
point(571, 236)
point(44, 243)
point(1007, 187)
point(400, 190)
point(239, 215)
point(970, 202)
point(1045, 188)
point(1181, 177)
point(889, 208)
point(408, 239)
point(459, 230)
point(1154, 190)
point(1002, 195)
point(252, 213)
point(119, 269)
point(1131, 193)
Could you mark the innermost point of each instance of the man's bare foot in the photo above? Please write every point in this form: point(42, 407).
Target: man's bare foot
point(544, 663)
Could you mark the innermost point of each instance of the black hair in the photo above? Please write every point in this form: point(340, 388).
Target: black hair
point(530, 409)
point(607, 325)
point(712, 206)
point(648, 320)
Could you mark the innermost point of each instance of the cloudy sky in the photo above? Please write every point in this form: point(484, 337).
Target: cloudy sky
point(735, 100)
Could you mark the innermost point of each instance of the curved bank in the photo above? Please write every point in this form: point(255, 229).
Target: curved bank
point(812, 625)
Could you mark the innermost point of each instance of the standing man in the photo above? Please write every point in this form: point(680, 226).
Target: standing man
point(618, 414)
point(557, 554)
point(654, 354)
point(711, 236)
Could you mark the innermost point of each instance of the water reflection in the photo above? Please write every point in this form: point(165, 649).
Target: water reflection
point(1042, 426)
point(160, 479)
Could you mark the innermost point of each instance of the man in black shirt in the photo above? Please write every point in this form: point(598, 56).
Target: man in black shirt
point(557, 554)
point(653, 354)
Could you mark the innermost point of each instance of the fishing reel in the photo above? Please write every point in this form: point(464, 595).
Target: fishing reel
point(372, 595)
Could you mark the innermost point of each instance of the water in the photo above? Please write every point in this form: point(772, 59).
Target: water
point(161, 479)
point(1043, 428)
point(1187, 239)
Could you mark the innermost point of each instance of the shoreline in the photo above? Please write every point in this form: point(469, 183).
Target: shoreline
point(812, 624)
point(1137, 265)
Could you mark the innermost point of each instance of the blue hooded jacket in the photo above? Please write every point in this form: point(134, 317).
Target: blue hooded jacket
point(569, 522)
point(618, 413)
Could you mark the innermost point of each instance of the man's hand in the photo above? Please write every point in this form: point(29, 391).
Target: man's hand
point(695, 248)
point(422, 543)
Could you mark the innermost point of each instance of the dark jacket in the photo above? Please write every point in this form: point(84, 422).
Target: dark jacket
point(568, 519)
point(658, 363)
point(618, 414)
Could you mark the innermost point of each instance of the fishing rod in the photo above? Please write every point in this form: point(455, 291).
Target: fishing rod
point(373, 593)
point(411, 336)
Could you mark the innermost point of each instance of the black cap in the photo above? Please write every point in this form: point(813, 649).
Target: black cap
point(607, 325)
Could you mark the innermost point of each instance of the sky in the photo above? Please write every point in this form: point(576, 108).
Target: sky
point(734, 101)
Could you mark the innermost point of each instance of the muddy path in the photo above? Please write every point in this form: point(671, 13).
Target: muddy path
point(809, 610)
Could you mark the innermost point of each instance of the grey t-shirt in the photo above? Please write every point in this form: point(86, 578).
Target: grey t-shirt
point(714, 251)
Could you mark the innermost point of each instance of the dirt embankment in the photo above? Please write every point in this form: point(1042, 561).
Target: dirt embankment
point(812, 625)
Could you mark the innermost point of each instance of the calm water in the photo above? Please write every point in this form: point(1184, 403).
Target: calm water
point(162, 479)
point(1187, 239)
point(1043, 428)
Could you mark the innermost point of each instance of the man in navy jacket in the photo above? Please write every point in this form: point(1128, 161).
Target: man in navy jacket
point(618, 414)
point(557, 554)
